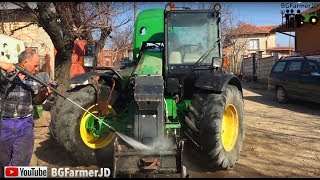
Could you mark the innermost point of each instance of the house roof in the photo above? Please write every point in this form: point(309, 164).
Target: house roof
point(282, 27)
point(281, 48)
point(249, 29)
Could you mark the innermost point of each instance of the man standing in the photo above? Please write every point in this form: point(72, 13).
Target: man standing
point(16, 105)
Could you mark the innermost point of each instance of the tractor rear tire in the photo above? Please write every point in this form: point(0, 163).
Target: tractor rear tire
point(65, 128)
point(54, 120)
point(209, 117)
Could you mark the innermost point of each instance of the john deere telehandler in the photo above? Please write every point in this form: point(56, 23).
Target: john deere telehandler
point(175, 91)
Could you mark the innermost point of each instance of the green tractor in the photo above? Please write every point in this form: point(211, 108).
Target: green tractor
point(176, 91)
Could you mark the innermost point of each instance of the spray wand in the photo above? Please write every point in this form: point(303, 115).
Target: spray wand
point(130, 141)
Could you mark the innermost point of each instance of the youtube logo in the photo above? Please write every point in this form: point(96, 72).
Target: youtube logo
point(11, 171)
point(25, 171)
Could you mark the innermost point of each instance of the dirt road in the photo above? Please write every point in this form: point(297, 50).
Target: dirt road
point(280, 141)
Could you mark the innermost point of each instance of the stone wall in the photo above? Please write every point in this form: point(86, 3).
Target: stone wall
point(262, 67)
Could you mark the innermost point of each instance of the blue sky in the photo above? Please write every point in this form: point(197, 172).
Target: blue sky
point(256, 13)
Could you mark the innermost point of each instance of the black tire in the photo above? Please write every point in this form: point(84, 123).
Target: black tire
point(281, 95)
point(204, 126)
point(65, 128)
point(54, 120)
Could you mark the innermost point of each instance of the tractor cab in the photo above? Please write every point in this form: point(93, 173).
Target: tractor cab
point(188, 40)
point(192, 47)
point(191, 36)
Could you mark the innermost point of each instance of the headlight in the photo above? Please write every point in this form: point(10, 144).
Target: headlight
point(217, 7)
point(170, 6)
point(88, 61)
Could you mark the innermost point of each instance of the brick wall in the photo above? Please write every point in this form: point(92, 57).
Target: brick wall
point(34, 37)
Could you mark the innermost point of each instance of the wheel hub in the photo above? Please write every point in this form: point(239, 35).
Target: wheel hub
point(280, 95)
point(230, 127)
point(93, 132)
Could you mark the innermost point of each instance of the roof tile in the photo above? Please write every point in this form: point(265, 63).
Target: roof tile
point(248, 29)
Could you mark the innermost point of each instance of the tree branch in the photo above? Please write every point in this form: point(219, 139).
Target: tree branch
point(34, 14)
point(14, 30)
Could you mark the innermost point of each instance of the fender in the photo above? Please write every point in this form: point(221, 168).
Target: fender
point(217, 82)
point(80, 79)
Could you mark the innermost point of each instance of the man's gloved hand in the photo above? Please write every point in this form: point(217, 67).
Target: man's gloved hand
point(50, 97)
point(46, 90)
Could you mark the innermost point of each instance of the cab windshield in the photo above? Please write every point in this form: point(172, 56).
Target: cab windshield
point(190, 36)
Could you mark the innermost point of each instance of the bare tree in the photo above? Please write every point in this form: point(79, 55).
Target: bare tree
point(65, 22)
point(234, 39)
point(121, 42)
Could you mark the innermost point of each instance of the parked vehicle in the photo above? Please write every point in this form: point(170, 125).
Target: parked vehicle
point(125, 63)
point(295, 77)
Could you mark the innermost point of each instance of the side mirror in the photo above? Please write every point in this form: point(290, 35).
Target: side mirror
point(217, 62)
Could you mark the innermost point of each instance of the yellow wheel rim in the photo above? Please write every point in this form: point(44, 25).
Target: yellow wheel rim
point(87, 137)
point(313, 20)
point(230, 127)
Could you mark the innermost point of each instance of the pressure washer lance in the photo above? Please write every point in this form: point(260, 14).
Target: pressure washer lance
point(132, 142)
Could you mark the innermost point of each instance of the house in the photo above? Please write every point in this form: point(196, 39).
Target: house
point(247, 39)
point(281, 51)
point(307, 36)
point(12, 21)
point(123, 55)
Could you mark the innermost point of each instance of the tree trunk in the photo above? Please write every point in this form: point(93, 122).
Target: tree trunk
point(62, 42)
point(62, 71)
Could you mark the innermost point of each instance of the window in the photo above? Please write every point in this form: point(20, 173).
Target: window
point(310, 66)
point(143, 31)
point(279, 67)
point(254, 44)
point(295, 66)
point(34, 49)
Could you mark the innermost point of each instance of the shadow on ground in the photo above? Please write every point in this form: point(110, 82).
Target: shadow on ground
point(267, 98)
point(54, 154)
point(196, 166)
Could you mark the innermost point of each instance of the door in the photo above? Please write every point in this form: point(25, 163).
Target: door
point(293, 78)
point(277, 75)
point(310, 80)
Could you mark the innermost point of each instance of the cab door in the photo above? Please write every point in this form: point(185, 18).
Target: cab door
point(310, 80)
point(293, 78)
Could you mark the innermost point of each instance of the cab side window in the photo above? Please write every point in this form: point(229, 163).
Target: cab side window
point(295, 66)
point(279, 67)
point(310, 67)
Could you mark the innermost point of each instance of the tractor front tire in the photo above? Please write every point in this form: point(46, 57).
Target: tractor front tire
point(216, 123)
point(65, 127)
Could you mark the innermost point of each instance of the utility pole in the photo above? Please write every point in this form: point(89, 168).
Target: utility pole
point(290, 40)
point(289, 44)
point(135, 8)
